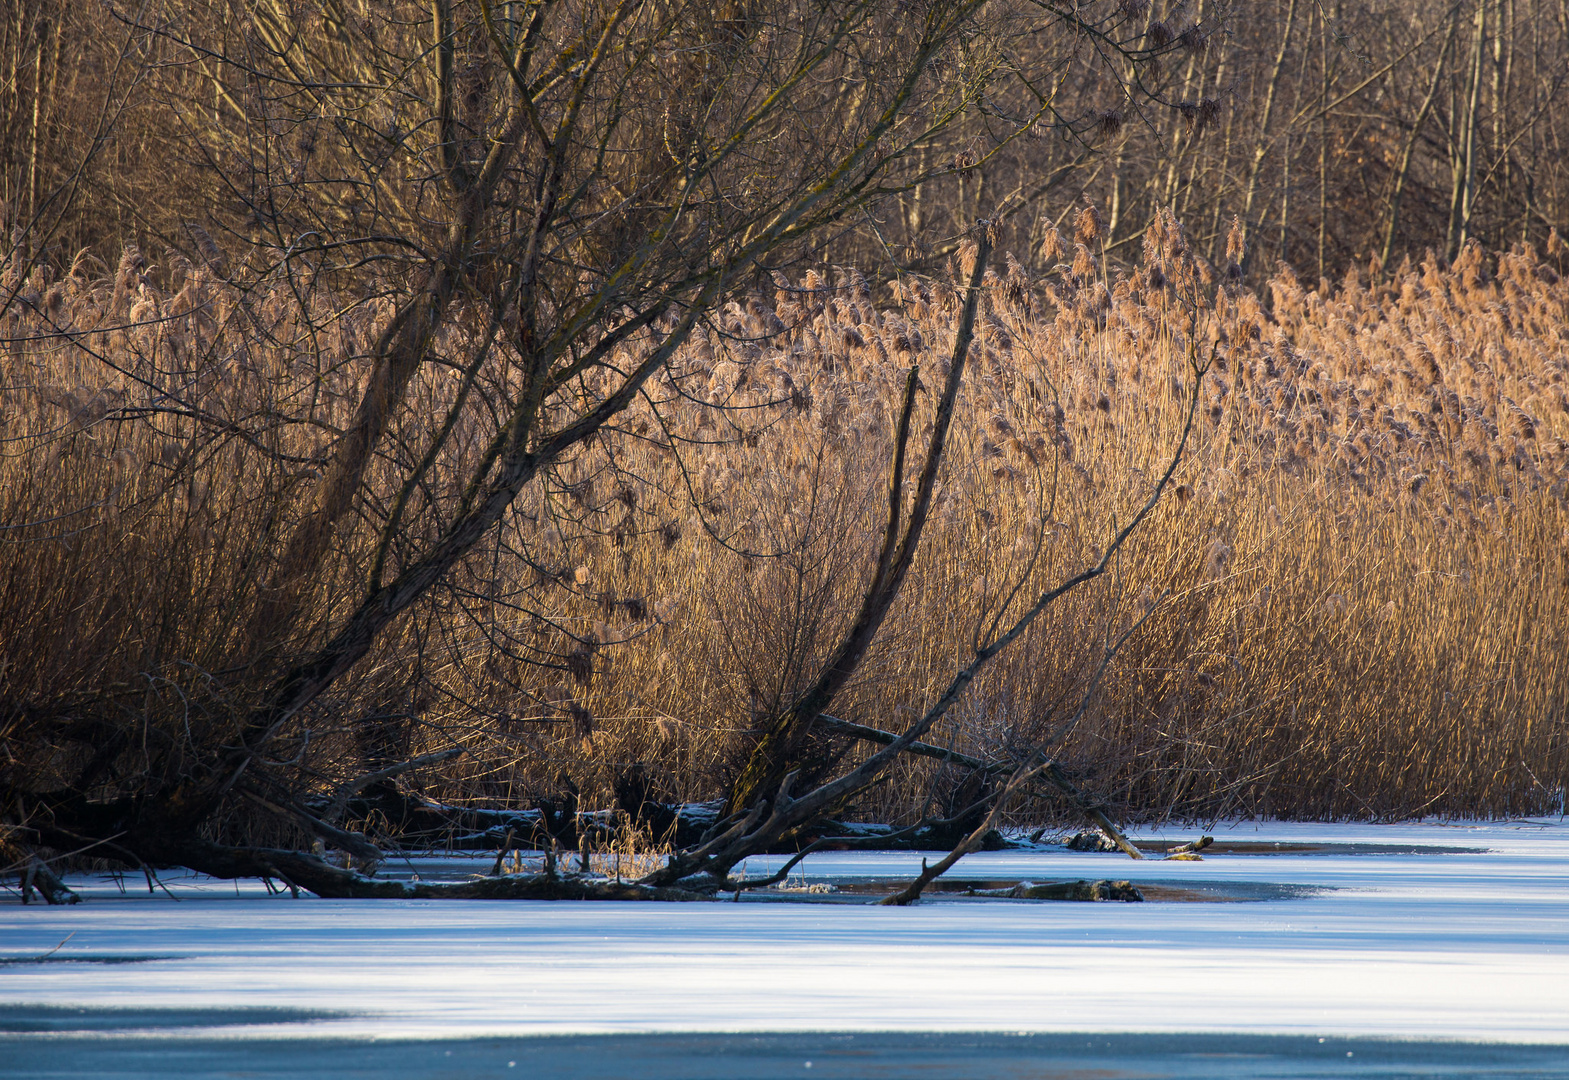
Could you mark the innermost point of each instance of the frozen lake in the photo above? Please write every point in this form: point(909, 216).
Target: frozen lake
point(822, 1055)
point(1413, 932)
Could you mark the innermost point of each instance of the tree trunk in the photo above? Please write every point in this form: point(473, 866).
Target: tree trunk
point(1462, 194)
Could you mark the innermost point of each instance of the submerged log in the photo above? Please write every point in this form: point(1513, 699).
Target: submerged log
point(546, 887)
point(1084, 891)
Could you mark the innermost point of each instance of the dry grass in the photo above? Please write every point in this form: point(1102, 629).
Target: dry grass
point(1359, 589)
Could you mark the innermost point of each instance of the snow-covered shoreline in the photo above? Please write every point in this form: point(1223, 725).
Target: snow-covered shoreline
point(1470, 945)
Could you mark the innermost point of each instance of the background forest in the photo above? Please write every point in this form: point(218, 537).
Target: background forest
point(1336, 132)
point(495, 406)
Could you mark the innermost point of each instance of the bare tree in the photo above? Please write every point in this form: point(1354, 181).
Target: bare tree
point(530, 209)
point(446, 247)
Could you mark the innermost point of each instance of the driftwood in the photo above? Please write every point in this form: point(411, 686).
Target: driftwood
point(37, 875)
point(1090, 841)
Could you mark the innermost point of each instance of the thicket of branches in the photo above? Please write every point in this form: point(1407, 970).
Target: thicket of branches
point(1336, 132)
point(473, 237)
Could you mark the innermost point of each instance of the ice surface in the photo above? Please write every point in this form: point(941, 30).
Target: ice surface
point(1470, 945)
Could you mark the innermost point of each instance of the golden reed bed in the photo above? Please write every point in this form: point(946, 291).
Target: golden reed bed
point(1357, 596)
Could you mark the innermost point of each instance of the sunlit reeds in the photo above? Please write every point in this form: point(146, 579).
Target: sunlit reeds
point(1357, 593)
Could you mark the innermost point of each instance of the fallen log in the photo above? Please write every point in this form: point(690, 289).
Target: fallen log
point(547, 887)
point(1083, 891)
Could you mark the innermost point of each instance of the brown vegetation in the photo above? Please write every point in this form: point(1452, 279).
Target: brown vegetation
point(1366, 554)
point(1356, 597)
point(454, 244)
